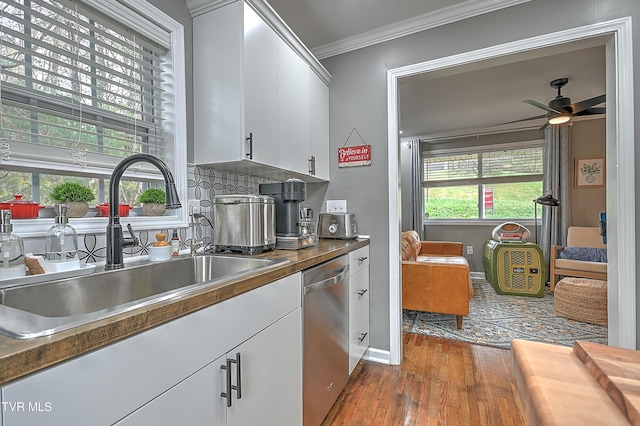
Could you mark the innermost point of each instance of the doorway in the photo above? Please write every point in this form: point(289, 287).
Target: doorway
point(620, 169)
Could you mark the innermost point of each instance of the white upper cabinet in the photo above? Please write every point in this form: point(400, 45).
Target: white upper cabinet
point(261, 102)
point(319, 126)
point(294, 111)
point(261, 80)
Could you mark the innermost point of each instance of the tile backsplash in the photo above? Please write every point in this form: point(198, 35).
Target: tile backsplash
point(203, 184)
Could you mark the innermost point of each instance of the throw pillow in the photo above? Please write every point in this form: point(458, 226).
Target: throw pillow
point(589, 254)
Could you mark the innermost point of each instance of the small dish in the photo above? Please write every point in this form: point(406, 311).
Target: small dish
point(71, 265)
point(157, 254)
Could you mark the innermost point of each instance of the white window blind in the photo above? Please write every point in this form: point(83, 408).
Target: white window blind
point(514, 165)
point(79, 91)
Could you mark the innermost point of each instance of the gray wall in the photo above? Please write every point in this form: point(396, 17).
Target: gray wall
point(587, 140)
point(178, 10)
point(358, 99)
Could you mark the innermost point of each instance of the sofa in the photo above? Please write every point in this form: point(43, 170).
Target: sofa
point(435, 277)
point(584, 256)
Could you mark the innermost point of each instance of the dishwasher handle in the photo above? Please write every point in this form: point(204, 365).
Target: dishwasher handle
point(328, 282)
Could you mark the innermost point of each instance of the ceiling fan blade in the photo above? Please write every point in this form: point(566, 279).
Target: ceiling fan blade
point(539, 105)
point(587, 103)
point(518, 121)
point(544, 126)
point(592, 111)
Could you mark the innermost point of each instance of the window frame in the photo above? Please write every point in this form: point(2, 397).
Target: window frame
point(538, 143)
point(175, 131)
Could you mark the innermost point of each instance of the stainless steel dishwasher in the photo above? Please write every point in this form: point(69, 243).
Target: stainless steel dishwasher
point(326, 337)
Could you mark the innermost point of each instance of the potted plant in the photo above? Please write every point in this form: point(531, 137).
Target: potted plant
point(76, 196)
point(153, 202)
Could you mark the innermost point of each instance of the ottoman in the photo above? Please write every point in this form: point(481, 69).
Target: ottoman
point(581, 299)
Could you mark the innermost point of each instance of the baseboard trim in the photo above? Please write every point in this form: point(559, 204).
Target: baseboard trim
point(477, 275)
point(378, 355)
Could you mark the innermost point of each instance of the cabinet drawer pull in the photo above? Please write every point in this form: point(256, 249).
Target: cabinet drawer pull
point(362, 292)
point(362, 337)
point(362, 259)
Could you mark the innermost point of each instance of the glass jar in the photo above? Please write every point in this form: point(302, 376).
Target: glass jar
point(11, 249)
point(61, 244)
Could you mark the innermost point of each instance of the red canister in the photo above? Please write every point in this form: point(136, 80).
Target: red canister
point(103, 209)
point(21, 209)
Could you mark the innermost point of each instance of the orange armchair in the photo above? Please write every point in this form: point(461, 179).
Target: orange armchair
point(435, 277)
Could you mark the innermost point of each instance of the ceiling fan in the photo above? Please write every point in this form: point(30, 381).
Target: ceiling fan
point(560, 109)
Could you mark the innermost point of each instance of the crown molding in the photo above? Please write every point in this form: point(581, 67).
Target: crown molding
point(280, 26)
point(441, 17)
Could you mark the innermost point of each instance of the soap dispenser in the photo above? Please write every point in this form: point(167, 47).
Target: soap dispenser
point(11, 249)
point(61, 244)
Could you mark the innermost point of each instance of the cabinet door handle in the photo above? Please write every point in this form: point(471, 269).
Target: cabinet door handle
point(238, 386)
point(362, 337)
point(227, 394)
point(312, 165)
point(249, 141)
point(362, 292)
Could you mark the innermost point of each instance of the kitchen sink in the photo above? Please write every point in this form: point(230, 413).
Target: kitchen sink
point(45, 308)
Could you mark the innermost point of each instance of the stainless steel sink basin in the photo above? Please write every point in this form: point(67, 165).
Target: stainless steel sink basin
point(45, 308)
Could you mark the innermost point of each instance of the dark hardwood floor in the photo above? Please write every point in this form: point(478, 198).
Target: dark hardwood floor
point(440, 382)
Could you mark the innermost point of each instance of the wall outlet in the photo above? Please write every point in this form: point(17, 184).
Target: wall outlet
point(469, 249)
point(339, 206)
point(194, 206)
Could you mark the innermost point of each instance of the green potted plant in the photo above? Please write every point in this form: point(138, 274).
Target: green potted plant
point(153, 201)
point(75, 195)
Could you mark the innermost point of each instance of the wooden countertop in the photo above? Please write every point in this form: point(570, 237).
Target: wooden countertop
point(555, 388)
point(617, 370)
point(21, 357)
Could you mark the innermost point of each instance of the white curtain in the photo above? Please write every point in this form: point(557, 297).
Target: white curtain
point(558, 179)
point(417, 203)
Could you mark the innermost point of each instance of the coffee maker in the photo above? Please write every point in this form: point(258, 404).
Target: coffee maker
point(294, 225)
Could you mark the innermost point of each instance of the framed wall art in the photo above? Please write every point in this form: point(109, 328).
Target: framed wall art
point(590, 172)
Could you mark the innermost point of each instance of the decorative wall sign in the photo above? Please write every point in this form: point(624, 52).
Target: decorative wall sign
point(590, 172)
point(354, 155)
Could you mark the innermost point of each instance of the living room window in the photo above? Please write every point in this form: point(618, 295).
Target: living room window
point(83, 85)
point(490, 182)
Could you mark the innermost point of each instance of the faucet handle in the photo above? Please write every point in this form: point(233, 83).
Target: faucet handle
point(133, 241)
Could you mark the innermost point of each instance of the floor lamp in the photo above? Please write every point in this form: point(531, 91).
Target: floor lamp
point(545, 200)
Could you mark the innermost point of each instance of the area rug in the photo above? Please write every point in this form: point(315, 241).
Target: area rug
point(494, 320)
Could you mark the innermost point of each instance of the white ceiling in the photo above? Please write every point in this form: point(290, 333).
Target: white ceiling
point(331, 27)
point(460, 100)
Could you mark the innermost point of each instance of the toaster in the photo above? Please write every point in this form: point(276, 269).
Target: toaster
point(337, 225)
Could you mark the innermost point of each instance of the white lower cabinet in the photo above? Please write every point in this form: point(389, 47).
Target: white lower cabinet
point(194, 401)
point(171, 374)
point(358, 305)
point(266, 390)
point(271, 365)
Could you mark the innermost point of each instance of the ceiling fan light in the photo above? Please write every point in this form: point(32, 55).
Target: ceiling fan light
point(559, 119)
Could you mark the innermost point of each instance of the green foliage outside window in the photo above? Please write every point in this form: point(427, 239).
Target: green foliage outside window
point(510, 201)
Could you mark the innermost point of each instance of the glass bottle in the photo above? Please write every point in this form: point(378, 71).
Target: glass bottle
point(175, 243)
point(61, 244)
point(11, 249)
